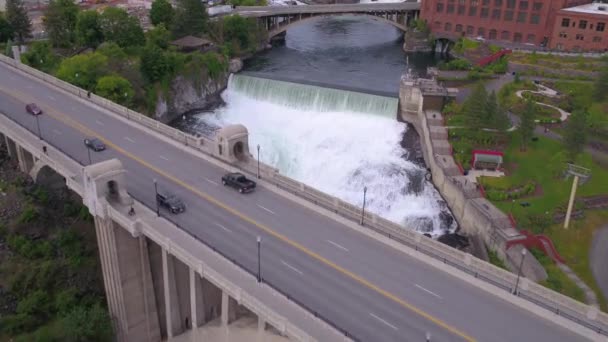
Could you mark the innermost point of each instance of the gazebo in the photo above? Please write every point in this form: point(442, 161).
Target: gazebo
point(485, 159)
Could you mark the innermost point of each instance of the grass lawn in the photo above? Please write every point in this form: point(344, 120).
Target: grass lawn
point(556, 61)
point(544, 162)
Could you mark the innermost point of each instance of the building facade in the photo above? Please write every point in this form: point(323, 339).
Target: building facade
point(581, 28)
point(514, 21)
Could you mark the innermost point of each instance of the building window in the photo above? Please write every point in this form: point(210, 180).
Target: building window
point(481, 32)
point(523, 5)
point(461, 10)
point(580, 37)
point(600, 27)
point(537, 6)
point(485, 12)
point(461, 2)
point(498, 3)
point(597, 39)
point(573, 23)
point(450, 8)
point(474, 2)
point(496, 14)
point(505, 35)
point(472, 11)
point(447, 27)
point(439, 7)
point(563, 34)
point(458, 28)
point(485, 2)
point(565, 22)
point(510, 3)
point(517, 37)
point(492, 34)
point(534, 19)
point(521, 17)
point(470, 30)
point(508, 16)
point(531, 38)
point(582, 24)
point(437, 25)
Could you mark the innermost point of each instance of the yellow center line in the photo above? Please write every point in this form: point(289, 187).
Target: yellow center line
point(76, 125)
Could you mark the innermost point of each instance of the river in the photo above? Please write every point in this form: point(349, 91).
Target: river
point(335, 140)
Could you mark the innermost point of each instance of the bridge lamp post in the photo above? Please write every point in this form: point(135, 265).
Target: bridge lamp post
point(259, 240)
point(428, 337)
point(259, 161)
point(156, 197)
point(88, 152)
point(363, 210)
point(521, 263)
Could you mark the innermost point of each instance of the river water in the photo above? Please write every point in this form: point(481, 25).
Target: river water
point(335, 140)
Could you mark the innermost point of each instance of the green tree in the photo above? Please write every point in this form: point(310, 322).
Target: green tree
point(601, 85)
point(239, 30)
point(575, 134)
point(88, 324)
point(16, 15)
point(83, 70)
point(190, 18)
point(475, 108)
point(496, 116)
point(6, 31)
point(41, 57)
point(115, 89)
point(526, 126)
point(8, 50)
point(88, 30)
point(118, 26)
point(60, 22)
point(159, 36)
point(161, 13)
point(154, 63)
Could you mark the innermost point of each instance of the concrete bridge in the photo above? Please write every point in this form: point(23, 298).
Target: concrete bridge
point(278, 19)
point(318, 273)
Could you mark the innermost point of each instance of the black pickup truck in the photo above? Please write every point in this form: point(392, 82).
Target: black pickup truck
point(171, 202)
point(238, 181)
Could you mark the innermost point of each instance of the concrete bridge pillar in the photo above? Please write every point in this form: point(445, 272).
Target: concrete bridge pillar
point(225, 300)
point(11, 147)
point(173, 314)
point(25, 158)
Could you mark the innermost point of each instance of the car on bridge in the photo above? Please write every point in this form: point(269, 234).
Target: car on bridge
point(33, 109)
point(238, 181)
point(94, 144)
point(171, 202)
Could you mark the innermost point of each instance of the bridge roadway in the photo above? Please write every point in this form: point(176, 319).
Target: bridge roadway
point(265, 11)
point(365, 287)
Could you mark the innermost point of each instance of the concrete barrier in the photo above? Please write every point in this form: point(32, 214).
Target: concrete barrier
point(559, 304)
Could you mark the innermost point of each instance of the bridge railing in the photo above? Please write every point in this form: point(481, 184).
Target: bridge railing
point(557, 303)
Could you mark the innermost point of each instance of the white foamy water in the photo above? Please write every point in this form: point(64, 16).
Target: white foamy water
point(330, 146)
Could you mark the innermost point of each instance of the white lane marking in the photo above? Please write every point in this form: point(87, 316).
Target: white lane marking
point(57, 132)
point(224, 228)
point(293, 268)
point(211, 181)
point(338, 245)
point(50, 97)
point(99, 123)
point(268, 210)
point(383, 321)
point(428, 291)
point(165, 158)
point(129, 139)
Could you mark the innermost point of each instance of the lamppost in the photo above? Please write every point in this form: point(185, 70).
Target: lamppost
point(363, 210)
point(259, 161)
point(38, 126)
point(521, 263)
point(88, 152)
point(156, 197)
point(428, 337)
point(259, 240)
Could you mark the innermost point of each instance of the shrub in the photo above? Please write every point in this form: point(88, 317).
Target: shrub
point(87, 324)
point(36, 304)
point(29, 214)
point(66, 300)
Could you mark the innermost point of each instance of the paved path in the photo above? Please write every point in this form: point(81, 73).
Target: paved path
point(590, 296)
point(599, 258)
point(546, 91)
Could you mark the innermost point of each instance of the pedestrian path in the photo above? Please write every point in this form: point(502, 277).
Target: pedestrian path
point(590, 296)
point(545, 91)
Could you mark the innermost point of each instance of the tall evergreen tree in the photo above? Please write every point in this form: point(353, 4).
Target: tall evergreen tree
point(16, 15)
point(88, 30)
point(475, 107)
point(496, 115)
point(6, 31)
point(161, 13)
point(601, 85)
point(60, 22)
point(526, 126)
point(120, 27)
point(190, 18)
point(575, 135)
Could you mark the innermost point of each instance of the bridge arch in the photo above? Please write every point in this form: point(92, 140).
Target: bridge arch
point(45, 175)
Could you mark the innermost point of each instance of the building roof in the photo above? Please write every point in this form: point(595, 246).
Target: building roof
point(191, 42)
point(592, 8)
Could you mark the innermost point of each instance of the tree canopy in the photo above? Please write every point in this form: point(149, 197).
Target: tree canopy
point(16, 15)
point(161, 13)
point(190, 18)
point(159, 36)
point(83, 70)
point(6, 31)
point(60, 22)
point(118, 26)
point(526, 126)
point(88, 30)
point(154, 63)
point(40, 56)
point(116, 89)
point(575, 134)
point(601, 85)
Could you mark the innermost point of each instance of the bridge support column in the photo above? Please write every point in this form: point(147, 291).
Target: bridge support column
point(197, 304)
point(261, 329)
point(26, 159)
point(225, 300)
point(172, 311)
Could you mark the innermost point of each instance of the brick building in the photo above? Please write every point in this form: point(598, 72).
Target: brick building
point(515, 21)
point(581, 28)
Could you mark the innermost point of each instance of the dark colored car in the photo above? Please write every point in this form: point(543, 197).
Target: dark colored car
point(239, 182)
point(33, 109)
point(171, 202)
point(94, 144)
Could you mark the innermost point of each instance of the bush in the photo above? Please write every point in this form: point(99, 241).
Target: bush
point(87, 324)
point(36, 304)
point(29, 214)
point(18, 323)
point(66, 301)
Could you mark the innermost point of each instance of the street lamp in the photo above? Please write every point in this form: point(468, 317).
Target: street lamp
point(259, 239)
point(521, 263)
point(156, 198)
point(259, 161)
point(38, 125)
point(428, 337)
point(363, 210)
point(88, 151)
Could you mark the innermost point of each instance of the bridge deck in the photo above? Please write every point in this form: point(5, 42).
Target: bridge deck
point(265, 11)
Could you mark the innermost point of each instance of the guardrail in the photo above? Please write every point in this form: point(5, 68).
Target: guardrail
point(561, 305)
